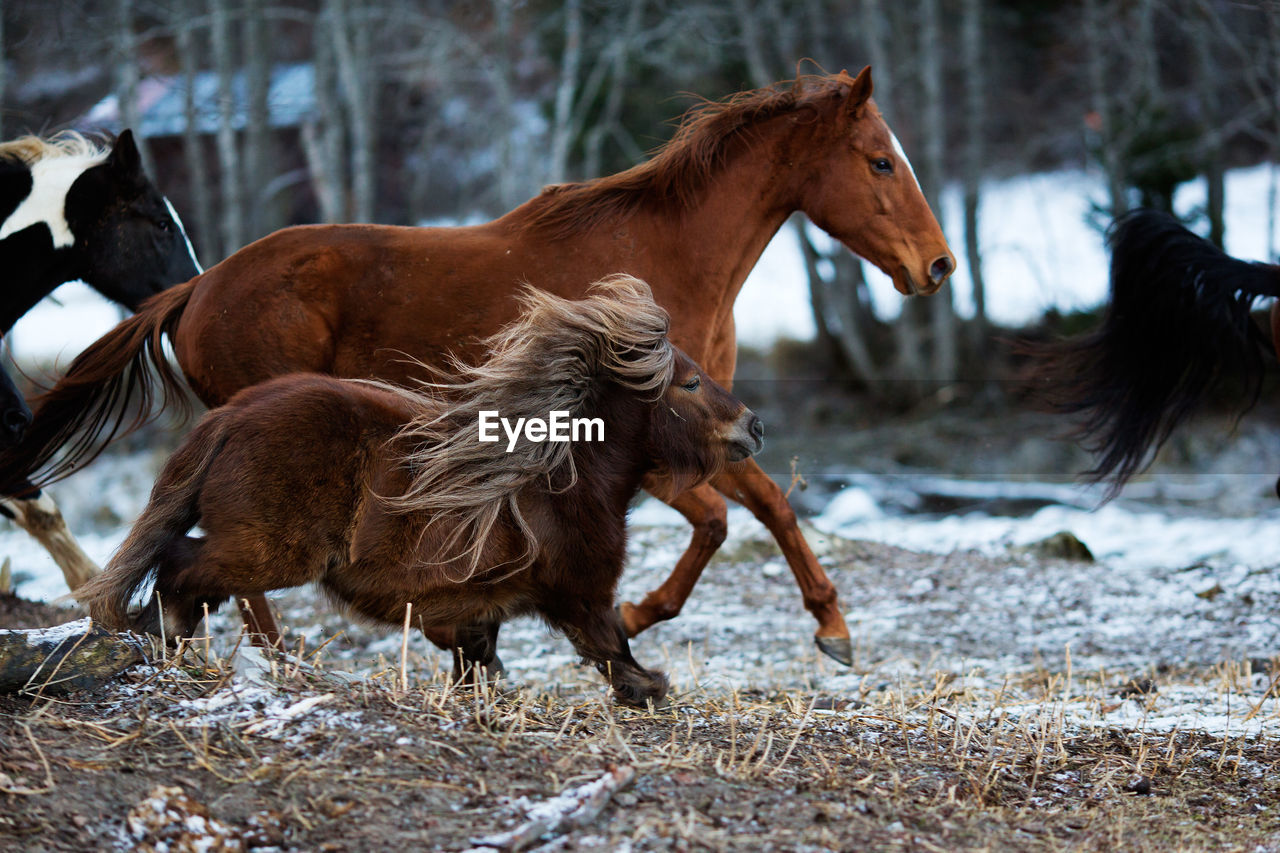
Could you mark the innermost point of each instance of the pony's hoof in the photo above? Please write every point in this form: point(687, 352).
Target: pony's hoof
point(649, 688)
point(837, 648)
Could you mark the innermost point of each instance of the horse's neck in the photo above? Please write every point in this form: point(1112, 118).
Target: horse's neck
point(695, 257)
point(33, 270)
point(720, 236)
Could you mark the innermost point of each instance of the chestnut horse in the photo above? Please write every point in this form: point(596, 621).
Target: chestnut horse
point(354, 300)
point(1179, 319)
point(406, 506)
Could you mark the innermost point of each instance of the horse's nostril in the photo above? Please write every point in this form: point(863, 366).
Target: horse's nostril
point(757, 427)
point(941, 268)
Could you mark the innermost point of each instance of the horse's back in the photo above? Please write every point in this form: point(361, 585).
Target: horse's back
point(301, 299)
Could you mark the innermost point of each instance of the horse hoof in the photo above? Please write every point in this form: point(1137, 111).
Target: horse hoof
point(837, 648)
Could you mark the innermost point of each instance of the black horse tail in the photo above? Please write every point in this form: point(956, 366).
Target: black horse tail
point(1179, 319)
point(172, 511)
point(123, 373)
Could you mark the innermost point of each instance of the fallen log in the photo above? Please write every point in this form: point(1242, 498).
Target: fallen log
point(74, 656)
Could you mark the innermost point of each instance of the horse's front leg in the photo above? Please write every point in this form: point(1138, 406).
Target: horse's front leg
point(750, 486)
point(753, 488)
point(596, 631)
point(40, 517)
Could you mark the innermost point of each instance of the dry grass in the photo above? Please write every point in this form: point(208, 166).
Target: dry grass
point(290, 753)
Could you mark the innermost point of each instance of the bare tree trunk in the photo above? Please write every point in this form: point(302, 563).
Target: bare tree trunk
point(322, 142)
point(1272, 11)
point(126, 68)
point(4, 77)
point(192, 137)
point(836, 301)
point(876, 33)
point(942, 311)
point(562, 125)
point(503, 78)
point(352, 49)
point(610, 120)
point(257, 131)
point(1207, 82)
point(975, 152)
point(1095, 37)
point(228, 156)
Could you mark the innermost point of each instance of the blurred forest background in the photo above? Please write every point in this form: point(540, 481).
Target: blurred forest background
point(255, 114)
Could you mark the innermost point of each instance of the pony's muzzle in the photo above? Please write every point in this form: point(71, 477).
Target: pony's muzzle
point(747, 438)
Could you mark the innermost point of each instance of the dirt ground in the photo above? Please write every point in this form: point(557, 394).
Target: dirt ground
point(365, 747)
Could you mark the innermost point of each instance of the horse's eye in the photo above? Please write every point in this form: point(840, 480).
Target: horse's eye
point(164, 225)
point(882, 165)
point(692, 384)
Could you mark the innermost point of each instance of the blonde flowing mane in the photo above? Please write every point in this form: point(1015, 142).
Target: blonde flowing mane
point(555, 357)
point(66, 143)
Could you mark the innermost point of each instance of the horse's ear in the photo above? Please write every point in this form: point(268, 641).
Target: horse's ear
point(859, 90)
point(124, 156)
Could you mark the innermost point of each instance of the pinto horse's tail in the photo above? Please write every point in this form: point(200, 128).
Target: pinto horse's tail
point(157, 543)
point(1179, 319)
point(122, 373)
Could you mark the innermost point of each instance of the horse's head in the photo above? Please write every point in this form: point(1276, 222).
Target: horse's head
point(130, 242)
point(697, 428)
point(860, 188)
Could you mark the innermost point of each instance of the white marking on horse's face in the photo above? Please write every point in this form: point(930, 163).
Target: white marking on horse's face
point(51, 178)
point(177, 220)
point(902, 155)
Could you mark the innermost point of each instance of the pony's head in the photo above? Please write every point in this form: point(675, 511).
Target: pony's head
point(696, 428)
point(120, 235)
point(861, 188)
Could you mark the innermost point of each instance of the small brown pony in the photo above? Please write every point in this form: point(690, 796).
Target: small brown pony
point(387, 497)
point(354, 300)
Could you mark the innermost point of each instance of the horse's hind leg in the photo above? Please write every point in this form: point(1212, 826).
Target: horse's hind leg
point(475, 652)
point(40, 517)
point(597, 633)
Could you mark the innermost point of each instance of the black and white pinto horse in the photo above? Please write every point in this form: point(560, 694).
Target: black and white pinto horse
point(1179, 321)
point(73, 209)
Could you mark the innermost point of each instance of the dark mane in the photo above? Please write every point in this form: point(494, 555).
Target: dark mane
point(680, 168)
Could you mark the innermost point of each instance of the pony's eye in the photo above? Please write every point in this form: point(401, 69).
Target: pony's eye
point(692, 384)
point(164, 225)
point(882, 165)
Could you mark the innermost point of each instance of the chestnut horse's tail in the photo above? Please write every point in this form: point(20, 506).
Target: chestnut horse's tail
point(123, 373)
point(150, 547)
point(1179, 319)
